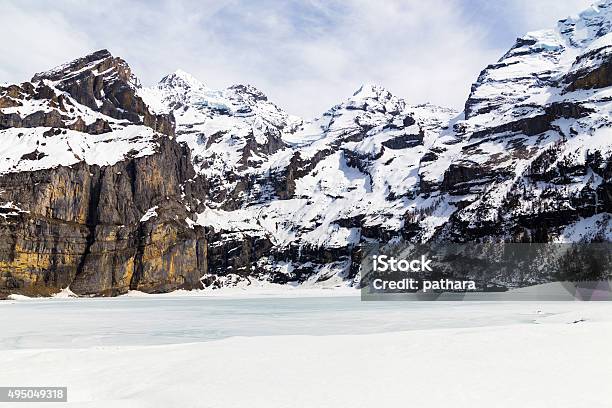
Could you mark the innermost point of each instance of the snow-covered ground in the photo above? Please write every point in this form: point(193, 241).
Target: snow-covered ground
point(195, 351)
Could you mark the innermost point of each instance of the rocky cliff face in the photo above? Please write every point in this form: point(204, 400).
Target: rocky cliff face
point(106, 186)
point(93, 187)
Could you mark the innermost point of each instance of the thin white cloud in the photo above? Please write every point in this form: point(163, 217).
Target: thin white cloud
point(307, 55)
point(32, 40)
point(541, 14)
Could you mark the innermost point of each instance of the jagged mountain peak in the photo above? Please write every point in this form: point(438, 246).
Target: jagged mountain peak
point(370, 98)
point(371, 90)
point(228, 131)
point(184, 74)
point(181, 90)
point(98, 63)
point(74, 65)
point(93, 94)
point(180, 79)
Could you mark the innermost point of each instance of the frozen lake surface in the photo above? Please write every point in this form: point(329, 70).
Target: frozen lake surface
point(336, 352)
point(82, 323)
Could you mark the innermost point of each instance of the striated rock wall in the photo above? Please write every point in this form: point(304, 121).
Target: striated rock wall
point(81, 226)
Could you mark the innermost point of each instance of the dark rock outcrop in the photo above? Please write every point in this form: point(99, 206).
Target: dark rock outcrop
point(81, 226)
point(105, 84)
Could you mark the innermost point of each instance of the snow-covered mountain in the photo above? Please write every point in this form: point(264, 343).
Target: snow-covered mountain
point(107, 186)
point(229, 132)
point(535, 157)
point(299, 188)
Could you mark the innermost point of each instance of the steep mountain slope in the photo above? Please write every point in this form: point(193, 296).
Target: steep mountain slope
point(537, 137)
point(107, 186)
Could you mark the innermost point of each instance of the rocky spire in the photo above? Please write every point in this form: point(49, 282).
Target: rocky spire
point(105, 84)
point(100, 62)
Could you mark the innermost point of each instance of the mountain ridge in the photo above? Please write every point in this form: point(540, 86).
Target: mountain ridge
point(107, 186)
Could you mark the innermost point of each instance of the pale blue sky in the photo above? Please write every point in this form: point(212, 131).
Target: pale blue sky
point(306, 55)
